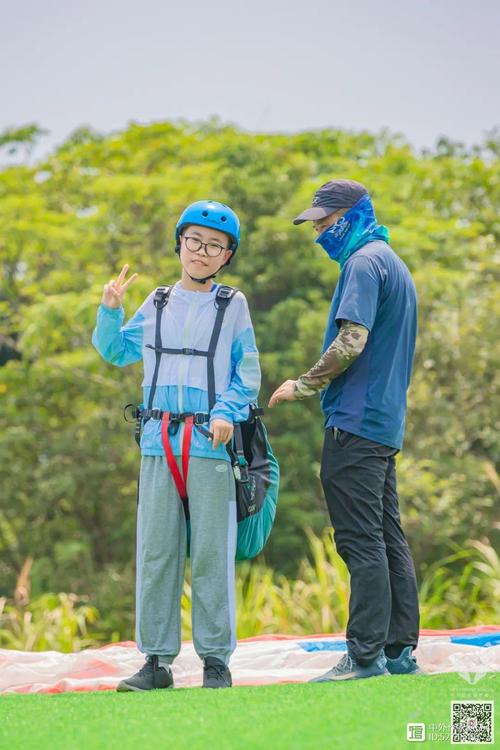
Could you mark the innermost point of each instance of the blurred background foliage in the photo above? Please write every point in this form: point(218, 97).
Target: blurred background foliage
point(69, 462)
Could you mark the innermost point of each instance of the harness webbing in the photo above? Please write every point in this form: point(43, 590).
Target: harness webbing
point(160, 301)
point(222, 299)
point(179, 479)
point(169, 420)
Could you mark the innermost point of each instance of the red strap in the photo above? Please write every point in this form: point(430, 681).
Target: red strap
point(180, 481)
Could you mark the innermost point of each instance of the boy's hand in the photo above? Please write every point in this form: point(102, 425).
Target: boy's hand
point(222, 431)
point(113, 291)
point(286, 392)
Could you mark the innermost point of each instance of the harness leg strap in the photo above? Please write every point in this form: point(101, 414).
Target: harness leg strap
point(180, 481)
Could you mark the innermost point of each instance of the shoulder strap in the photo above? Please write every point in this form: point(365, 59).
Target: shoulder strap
point(223, 297)
point(160, 301)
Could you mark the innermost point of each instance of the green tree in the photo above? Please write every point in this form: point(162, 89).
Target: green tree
point(69, 222)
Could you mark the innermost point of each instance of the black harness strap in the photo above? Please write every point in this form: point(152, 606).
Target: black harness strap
point(193, 352)
point(222, 299)
point(160, 301)
point(237, 455)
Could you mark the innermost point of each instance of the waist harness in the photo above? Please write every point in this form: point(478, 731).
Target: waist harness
point(255, 469)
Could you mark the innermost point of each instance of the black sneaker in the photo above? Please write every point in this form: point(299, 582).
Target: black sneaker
point(405, 663)
point(149, 677)
point(216, 674)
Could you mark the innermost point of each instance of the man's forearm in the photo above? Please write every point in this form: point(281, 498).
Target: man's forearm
point(342, 352)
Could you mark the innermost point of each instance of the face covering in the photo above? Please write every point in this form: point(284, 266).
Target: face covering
point(355, 228)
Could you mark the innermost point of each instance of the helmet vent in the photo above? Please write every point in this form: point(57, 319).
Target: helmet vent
point(204, 213)
point(223, 218)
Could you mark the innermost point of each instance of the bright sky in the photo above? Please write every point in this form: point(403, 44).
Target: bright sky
point(419, 67)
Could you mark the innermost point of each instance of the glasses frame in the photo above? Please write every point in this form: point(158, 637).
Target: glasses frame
point(204, 245)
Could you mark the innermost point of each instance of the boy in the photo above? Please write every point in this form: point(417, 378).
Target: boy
point(207, 237)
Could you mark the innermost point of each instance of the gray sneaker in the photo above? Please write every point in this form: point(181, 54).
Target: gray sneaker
point(349, 669)
point(149, 677)
point(215, 673)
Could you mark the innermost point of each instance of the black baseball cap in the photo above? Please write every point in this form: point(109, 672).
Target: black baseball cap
point(330, 197)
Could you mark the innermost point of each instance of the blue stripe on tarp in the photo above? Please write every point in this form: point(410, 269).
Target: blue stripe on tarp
point(310, 646)
point(485, 640)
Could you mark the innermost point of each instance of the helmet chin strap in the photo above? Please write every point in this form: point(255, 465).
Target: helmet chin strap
point(206, 278)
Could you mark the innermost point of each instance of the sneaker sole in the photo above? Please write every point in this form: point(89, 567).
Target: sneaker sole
point(123, 687)
point(352, 676)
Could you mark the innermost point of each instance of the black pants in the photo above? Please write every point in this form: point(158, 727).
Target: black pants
point(359, 482)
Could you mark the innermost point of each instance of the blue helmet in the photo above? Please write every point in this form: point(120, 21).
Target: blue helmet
point(210, 214)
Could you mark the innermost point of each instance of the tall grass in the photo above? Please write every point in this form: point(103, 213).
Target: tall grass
point(461, 589)
point(54, 622)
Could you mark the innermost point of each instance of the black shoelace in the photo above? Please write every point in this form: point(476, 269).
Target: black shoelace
point(216, 670)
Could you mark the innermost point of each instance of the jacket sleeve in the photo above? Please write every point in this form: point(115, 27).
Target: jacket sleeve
point(116, 343)
point(244, 386)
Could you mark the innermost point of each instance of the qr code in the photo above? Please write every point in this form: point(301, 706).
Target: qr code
point(472, 722)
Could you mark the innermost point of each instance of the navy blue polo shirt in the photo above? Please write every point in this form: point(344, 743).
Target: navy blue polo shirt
point(375, 289)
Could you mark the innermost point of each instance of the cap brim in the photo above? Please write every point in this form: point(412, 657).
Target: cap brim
point(313, 214)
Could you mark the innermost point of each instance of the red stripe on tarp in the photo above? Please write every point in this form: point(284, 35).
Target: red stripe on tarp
point(472, 630)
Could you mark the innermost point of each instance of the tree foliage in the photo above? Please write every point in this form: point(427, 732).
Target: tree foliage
point(69, 462)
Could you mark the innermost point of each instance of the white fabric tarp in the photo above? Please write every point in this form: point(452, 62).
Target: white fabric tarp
point(263, 660)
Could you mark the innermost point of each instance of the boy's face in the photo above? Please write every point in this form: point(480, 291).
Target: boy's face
point(199, 259)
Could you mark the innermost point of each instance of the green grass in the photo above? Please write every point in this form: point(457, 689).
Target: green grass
point(366, 714)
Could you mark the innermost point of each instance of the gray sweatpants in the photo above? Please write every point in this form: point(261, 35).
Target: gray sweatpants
point(161, 558)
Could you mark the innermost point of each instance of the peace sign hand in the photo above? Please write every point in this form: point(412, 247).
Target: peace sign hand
point(114, 290)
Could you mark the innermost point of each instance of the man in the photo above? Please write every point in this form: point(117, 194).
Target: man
point(364, 374)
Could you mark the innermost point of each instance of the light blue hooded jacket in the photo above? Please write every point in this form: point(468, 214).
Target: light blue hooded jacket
point(187, 322)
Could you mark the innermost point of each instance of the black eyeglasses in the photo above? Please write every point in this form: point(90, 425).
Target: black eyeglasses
point(212, 249)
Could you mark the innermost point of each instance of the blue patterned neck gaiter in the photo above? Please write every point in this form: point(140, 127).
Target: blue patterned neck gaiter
point(355, 228)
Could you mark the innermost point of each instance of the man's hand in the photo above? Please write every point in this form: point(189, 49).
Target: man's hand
point(113, 291)
point(286, 392)
point(222, 432)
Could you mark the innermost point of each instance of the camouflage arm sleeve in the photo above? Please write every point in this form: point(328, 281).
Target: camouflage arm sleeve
point(345, 348)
